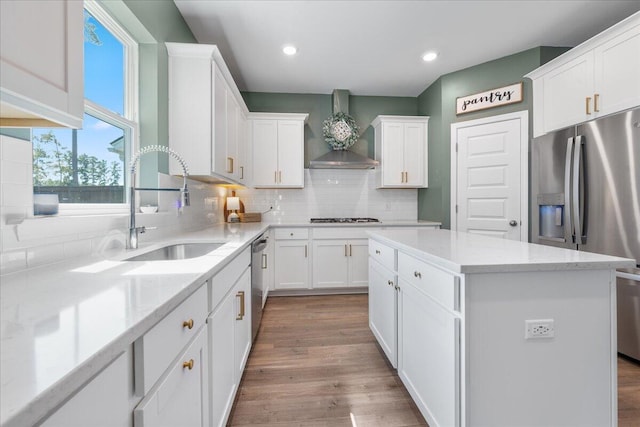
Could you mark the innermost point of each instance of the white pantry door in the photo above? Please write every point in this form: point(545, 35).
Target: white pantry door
point(489, 176)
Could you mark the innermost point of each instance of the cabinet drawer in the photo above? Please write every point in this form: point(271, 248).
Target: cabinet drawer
point(224, 280)
point(383, 254)
point(157, 348)
point(291, 233)
point(438, 284)
point(340, 233)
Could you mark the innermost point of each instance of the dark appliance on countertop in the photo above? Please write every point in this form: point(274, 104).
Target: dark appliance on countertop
point(257, 265)
point(585, 195)
point(342, 220)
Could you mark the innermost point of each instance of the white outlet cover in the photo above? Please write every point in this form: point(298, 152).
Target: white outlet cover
point(539, 328)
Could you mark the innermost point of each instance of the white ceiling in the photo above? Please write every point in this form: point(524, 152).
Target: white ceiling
point(376, 47)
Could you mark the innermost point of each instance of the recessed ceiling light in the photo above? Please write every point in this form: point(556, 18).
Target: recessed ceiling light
point(429, 56)
point(289, 50)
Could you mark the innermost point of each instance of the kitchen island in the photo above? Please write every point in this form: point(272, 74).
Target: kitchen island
point(486, 331)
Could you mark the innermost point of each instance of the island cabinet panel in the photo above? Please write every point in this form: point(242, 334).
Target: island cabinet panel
point(383, 313)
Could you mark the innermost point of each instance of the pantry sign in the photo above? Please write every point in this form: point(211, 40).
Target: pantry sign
point(492, 98)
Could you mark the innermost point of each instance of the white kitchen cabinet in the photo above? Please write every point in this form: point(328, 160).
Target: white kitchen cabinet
point(106, 401)
point(181, 397)
point(401, 148)
point(292, 258)
point(383, 320)
point(339, 263)
point(597, 78)
point(207, 115)
point(229, 326)
point(41, 63)
point(277, 142)
point(267, 266)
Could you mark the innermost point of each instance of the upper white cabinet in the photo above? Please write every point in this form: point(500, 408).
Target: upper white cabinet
point(278, 149)
point(401, 148)
point(41, 63)
point(207, 115)
point(594, 79)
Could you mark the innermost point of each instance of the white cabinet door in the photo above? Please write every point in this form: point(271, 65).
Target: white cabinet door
point(358, 262)
point(241, 169)
point(393, 154)
point(103, 402)
point(232, 136)
point(291, 264)
point(429, 355)
point(221, 325)
point(617, 71)
point(565, 91)
point(414, 154)
point(290, 153)
point(383, 309)
point(181, 397)
point(220, 130)
point(41, 63)
point(264, 136)
point(330, 263)
point(242, 295)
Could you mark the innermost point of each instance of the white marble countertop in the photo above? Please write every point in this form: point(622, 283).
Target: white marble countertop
point(381, 224)
point(50, 345)
point(471, 253)
point(50, 342)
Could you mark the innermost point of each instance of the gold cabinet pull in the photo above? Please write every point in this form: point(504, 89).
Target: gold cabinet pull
point(350, 252)
point(279, 177)
point(241, 295)
point(377, 252)
point(406, 177)
point(397, 288)
point(417, 274)
point(241, 172)
point(188, 324)
point(188, 364)
point(229, 164)
point(275, 176)
point(306, 251)
point(264, 261)
point(596, 96)
point(588, 104)
point(345, 250)
point(390, 282)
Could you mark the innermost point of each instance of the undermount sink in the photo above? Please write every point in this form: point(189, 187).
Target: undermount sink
point(177, 252)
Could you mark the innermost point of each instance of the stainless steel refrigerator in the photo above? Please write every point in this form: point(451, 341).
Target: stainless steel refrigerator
point(585, 195)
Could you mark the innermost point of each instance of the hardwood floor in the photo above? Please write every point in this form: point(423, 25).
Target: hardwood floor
point(316, 363)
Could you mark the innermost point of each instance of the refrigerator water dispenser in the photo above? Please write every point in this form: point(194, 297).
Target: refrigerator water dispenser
point(551, 215)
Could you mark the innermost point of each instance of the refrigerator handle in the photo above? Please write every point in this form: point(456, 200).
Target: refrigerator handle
point(568, 227)
point(576, 207)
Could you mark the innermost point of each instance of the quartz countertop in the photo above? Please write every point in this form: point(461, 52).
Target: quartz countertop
point(472, 253)
point(50, 345)
point(63, 323)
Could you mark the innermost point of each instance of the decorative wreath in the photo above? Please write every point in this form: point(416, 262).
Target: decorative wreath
point(340, 131)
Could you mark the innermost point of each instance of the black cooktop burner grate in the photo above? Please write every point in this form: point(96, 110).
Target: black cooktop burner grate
point(342, 220)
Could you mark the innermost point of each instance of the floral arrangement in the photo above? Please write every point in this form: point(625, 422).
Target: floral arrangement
point(340, 131)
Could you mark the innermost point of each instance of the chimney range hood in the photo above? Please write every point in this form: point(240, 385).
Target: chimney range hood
point(342, 159)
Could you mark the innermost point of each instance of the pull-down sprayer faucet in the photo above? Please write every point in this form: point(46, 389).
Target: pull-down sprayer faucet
point(132, 242)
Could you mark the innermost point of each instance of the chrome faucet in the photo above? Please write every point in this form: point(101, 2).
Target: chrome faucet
point(132, 243)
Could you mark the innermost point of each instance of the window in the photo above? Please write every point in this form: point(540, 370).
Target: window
point(88, 166)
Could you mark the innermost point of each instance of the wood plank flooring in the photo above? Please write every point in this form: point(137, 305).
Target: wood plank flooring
point(316, 363)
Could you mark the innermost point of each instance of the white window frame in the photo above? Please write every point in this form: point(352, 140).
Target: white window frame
point(128, 122)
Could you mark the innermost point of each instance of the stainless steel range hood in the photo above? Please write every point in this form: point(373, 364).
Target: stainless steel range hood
point(342, 159)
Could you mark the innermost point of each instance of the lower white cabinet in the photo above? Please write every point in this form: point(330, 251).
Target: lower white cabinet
point(105, 401)
point(291, 266)
point(340, 263)
point(181, 397)
point(429, 355)
point(383, 312)
point(229, 326)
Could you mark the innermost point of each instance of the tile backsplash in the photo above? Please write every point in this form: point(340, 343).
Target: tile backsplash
point(332, 193)
point(27, 241)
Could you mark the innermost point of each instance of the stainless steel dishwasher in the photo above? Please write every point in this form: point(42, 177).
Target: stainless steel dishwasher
point(257, 265)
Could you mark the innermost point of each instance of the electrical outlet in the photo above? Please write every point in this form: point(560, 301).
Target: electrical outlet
point(539, 328)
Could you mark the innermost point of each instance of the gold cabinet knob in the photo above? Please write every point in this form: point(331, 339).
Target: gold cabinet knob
point(377, 252)
point(417, 274)
point(188, 364)
point(390, 282)
point(188, 324)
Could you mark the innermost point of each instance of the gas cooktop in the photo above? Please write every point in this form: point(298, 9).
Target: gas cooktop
point(342, 220)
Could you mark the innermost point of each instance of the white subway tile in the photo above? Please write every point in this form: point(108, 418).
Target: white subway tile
point(16, 150)
point(16, 173)
point(42, 255)
point(12, 261)
point(17, 195)
point(77, 248)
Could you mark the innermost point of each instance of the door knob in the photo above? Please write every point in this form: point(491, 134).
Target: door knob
point(513, 223)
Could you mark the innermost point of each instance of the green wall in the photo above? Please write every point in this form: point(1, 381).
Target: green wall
point(438, 101)
point(319, 106)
